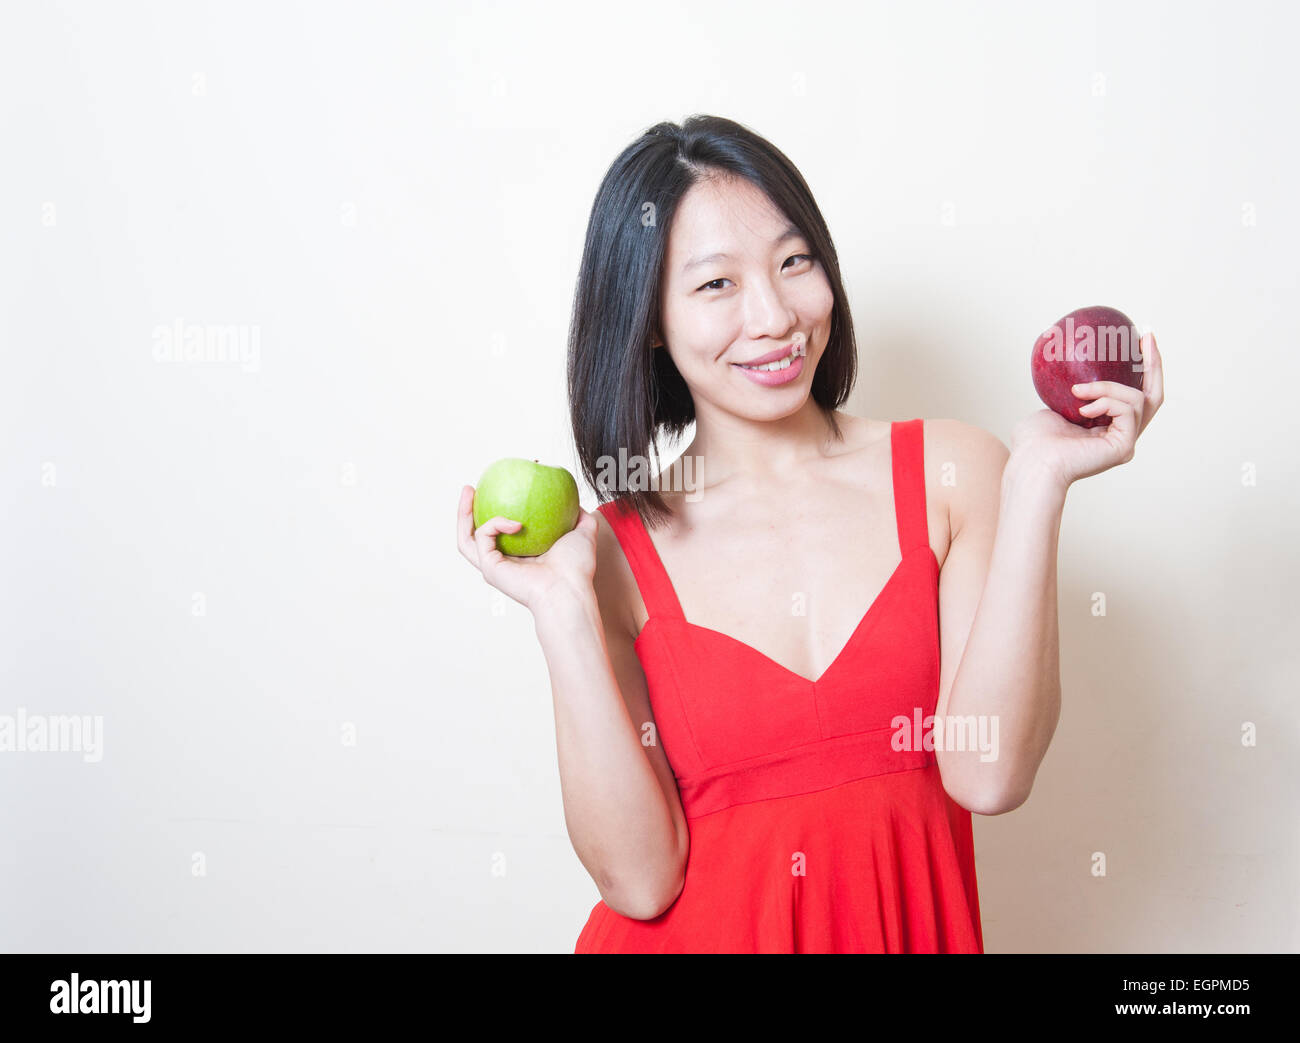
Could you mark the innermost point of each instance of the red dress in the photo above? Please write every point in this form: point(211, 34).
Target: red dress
point(809, 831)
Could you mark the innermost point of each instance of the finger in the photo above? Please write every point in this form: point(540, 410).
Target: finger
point(485, 539)
point(1124, 418)
point(1096, 407)
point(586, 525)
point(1153, 374)
point(1106, 405)
point(1108, 387)
point(465, 524)
point(1113, 392)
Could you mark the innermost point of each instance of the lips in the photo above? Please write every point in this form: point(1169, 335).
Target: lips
point(783, 373)
point(775, 355)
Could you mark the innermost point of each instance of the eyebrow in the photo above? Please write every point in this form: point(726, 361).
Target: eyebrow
point(791, 232)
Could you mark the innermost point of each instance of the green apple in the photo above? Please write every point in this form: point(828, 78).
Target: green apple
point(544, 499)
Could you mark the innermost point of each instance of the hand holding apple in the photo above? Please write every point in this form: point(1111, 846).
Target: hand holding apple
point(1117, 402)
point(525, 530)
point(543, 499)
point(1086, 346)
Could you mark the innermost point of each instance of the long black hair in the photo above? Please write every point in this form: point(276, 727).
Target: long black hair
point(623, 392)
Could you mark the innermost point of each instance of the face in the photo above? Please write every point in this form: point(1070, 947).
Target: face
point(764, 294)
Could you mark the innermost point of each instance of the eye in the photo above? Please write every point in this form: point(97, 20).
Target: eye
point(710, 284)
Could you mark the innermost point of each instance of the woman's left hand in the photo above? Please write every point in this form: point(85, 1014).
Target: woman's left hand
point(1069, 452)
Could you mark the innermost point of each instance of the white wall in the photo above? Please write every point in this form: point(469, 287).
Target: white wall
point(379, 194)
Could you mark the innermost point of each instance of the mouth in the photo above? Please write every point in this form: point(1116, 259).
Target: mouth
point(781, 358)
point(776, 372)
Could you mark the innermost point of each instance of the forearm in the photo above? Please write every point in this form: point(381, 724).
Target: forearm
point(1010, 669)
point(616, 813)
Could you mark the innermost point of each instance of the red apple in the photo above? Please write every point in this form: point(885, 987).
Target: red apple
point(1090, 344)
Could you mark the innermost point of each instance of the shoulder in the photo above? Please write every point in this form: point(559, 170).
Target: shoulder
point(958, 439)
point(963, 465)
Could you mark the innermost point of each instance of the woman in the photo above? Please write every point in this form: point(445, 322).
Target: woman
point(748, 761)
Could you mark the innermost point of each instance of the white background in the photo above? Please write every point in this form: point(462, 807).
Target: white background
point(393, 197)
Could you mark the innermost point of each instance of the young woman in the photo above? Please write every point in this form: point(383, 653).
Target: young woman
point(747, 671)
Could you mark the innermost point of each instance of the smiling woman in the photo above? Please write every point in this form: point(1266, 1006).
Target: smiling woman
point(790, 819)
point(749, 704)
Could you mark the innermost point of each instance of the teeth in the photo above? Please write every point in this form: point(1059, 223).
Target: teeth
point(769, 367)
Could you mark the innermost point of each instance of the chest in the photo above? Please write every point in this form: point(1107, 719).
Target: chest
point(792, 575)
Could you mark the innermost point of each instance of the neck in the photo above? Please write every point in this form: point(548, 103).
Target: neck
point(730, 447)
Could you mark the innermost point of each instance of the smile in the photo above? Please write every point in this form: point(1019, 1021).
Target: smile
point(769, 367)
point(778, 372)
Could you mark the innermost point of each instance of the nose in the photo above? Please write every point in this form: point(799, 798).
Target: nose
point(768, 315)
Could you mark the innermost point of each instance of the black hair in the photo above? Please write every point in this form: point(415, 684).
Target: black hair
point(623, 392)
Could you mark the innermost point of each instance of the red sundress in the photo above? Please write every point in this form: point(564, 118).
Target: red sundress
point(809, 831)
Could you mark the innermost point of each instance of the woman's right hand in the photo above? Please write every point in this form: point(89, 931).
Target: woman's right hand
point(568, 568)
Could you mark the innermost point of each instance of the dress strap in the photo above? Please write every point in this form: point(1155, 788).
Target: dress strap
point(647, 568)
point(907, 445)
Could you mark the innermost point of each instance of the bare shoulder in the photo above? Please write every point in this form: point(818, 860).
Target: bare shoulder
point(963, 466)
point(956, 439)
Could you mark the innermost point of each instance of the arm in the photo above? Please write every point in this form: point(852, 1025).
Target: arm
point(998, 617)
point(998, 586)
point(621, 805)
